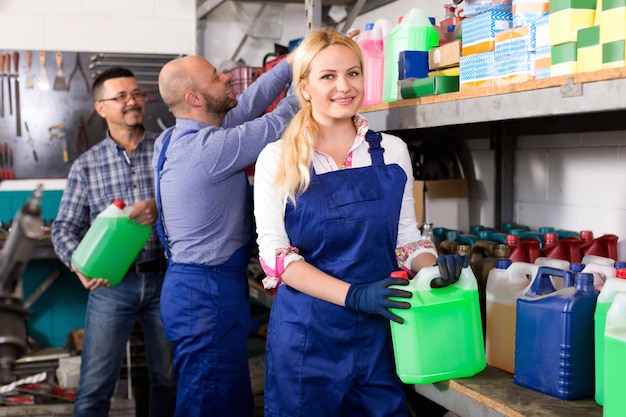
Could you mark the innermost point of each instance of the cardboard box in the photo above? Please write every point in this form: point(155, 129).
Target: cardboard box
point(442, 202)
point(445, 56)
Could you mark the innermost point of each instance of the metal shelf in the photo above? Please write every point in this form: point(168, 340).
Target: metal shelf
point(584, 93)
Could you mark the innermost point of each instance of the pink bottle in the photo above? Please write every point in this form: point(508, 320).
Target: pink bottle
point(371, 42)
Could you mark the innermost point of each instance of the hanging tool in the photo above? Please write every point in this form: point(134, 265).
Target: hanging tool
point(31, 142)
point(2, 75)
point(43, 83)
point(29, 73)
point(11, 175)
point(2, 170)
point(59, 79)
point(82, 135)
point(79, 67)
point(18, 115)
point(59, 135)
point(7, 67)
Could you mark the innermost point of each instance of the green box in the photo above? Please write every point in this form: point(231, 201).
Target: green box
point(612, 4)
point(428, 86)
point(588, 36)
point(558, 5)
point(613, 52)
point(566, 52)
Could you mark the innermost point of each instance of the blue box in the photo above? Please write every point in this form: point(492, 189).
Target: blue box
point(412, 64)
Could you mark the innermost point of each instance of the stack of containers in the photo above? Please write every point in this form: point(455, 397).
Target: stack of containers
point(611, 17)
point(414, 32)
point(516, 48)
point(477, 63)
point(566, 18)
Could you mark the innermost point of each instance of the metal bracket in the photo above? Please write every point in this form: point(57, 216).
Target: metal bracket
point(570, 89)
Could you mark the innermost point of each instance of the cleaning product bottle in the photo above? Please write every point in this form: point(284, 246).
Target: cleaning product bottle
point(449, 315)
point(414, 32)
point(111, 244)
point(612, 287)
point(371, 42)
point(614, 353)
point(554, 336)
point(505, 284)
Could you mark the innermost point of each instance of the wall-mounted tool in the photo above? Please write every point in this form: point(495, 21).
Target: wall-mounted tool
point(2, 75)
point(59, 79)
point(81, 136)
point(59, 134)
point(29, 74)
point(31, 142)
point(78, 66)
point(18, 115)
point(43, 83)
point(7, 68)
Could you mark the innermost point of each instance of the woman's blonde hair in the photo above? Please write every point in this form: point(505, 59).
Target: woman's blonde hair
point(298, 141)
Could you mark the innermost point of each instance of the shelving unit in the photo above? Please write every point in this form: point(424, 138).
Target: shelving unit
point(574, 103)
point(583, 102)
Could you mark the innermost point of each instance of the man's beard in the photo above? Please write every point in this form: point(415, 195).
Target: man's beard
point(219, 106)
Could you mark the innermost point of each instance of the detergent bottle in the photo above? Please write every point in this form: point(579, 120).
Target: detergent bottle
point(111, 244)
point(371, 42)
point(615, 365)
point(505, 284)
point(612, 287)
point(450, 315)
point(554, 336)
point(414, 32)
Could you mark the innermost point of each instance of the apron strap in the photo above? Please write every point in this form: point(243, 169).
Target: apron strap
point(376, 151)
point(160, 224)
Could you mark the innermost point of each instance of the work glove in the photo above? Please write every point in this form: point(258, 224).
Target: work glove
point(373, 298)
point(450, 267)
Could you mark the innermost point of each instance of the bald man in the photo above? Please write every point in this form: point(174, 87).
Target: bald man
point(203, 195)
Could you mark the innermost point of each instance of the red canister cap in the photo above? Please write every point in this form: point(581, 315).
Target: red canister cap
point(399, 274)
point(119, 203)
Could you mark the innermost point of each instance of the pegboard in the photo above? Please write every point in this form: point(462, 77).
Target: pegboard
point(42, 109)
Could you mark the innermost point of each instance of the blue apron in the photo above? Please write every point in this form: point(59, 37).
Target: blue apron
point(205, 315)
point(322, 359)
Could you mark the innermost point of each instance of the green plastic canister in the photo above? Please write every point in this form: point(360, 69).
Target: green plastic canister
point(111, 244)
point(441, 337)
point(414, 32)
point(612, 287)
point(615, 365)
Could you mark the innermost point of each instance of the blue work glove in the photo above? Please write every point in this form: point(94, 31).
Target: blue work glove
point(450, 267)
point(373, 298)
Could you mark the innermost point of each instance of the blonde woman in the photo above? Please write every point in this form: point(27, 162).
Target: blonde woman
point(335, 216)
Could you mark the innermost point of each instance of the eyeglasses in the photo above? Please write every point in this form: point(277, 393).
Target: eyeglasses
point(136, 95)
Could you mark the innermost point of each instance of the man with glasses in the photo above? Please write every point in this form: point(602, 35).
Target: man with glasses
point(119, 166)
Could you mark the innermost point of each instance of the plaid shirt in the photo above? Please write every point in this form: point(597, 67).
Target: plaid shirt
point(103, 173)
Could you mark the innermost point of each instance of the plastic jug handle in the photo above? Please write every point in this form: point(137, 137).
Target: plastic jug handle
point(542, 284)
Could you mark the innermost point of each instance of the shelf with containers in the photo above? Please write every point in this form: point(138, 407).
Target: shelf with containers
point(582, 102)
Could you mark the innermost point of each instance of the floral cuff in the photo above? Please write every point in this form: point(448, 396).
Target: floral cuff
point(273, 280)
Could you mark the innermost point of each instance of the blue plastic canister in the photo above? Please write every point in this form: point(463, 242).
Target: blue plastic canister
point(441, 337)
point(554, 336)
